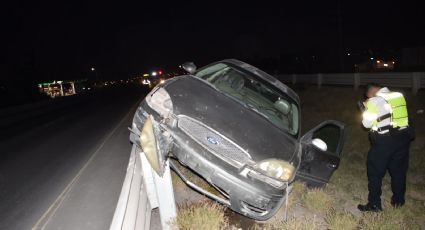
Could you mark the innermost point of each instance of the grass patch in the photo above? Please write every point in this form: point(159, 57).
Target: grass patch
point(294, 223)
point(204, 215)
point(317, 200)
point(298, 190)
point(341, 220)
point(393, 218)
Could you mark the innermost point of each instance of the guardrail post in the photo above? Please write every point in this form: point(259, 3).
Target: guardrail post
point(160, 192)
point(294, 79)
point(144, 190)
point(165, 195)
point(356, 81)
point(416, 82)
point(319, 80)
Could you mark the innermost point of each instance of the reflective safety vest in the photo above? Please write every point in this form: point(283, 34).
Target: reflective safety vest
point(398, 112)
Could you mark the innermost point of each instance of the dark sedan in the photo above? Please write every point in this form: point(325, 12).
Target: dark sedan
point(239, 129)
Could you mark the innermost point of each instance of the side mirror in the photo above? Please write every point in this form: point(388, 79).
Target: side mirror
point(320, 144)
point(189, 67)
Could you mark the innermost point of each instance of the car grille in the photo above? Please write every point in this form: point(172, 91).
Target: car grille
point(214, 142)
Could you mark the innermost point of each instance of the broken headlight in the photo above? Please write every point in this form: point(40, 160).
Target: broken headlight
point(160, 101)
point(149, 145)
point(278, 169)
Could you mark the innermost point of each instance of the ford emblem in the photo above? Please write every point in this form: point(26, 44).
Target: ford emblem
point(212, 140)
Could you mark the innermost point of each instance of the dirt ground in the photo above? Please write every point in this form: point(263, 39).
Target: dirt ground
point(334, 206)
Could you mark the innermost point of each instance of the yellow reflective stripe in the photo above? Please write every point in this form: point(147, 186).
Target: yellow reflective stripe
point(399, 115)
point(396, 102)
point(400, 112)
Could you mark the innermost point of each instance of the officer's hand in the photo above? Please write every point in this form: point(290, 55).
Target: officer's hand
point(365, 102)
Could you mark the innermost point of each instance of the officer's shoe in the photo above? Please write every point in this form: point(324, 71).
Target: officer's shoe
point(369, 208)
point(397, 204)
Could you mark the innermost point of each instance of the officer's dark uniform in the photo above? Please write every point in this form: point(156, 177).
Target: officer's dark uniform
point(386, 116)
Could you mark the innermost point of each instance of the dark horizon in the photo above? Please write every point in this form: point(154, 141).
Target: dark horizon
point(52, 40)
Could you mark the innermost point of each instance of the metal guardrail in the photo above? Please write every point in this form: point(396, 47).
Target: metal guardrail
point(142, 191)
point(413, 80)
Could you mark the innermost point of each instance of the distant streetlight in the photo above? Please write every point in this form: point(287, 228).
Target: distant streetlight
point(348, 54)
point(371, 58)
point(154, 73)
point(95, 73)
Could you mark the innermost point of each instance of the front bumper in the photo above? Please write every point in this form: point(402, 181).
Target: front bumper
point(251, 198)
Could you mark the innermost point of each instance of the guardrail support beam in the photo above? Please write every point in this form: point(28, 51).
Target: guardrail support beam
point(294, 79)
point(143, 190)
point(165, 195)
point(416, 82)
point(319, 80)
point(356, 81)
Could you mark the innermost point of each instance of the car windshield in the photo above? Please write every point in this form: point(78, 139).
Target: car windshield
point(255, 93)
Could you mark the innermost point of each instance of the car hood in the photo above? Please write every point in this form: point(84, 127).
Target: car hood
point(198, 99)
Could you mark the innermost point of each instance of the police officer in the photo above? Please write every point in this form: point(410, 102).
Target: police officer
point(387, 118)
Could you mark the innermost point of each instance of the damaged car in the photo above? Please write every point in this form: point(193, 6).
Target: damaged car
point(238, 128)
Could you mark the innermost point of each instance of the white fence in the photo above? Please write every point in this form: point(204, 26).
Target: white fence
point(142, 191)
point(413, 80)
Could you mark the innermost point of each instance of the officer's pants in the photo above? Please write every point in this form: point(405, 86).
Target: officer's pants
point(388, 151)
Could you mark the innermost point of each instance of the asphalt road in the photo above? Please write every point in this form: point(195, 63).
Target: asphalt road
point(66, 172)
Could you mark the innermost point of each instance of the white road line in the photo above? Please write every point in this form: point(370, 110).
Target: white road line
point(49, 213)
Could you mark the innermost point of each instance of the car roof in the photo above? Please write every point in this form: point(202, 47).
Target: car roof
point(263, 75)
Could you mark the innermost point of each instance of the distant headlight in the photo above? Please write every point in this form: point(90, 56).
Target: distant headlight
point(160, 101)
point(278, 169)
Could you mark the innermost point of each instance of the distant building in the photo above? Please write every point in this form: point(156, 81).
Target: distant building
point(383, 65)
point(63, 88)
point(375, 66)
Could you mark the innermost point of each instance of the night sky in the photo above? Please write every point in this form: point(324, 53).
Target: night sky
point(58, 40)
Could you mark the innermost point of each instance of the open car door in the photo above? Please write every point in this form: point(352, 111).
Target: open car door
point(322, 147)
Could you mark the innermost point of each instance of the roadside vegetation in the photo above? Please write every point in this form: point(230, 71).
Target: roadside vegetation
point(335, 206)
point(204, 215)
